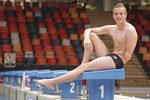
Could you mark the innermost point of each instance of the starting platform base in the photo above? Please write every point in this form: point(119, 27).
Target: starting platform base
point(13, 93)
point(22, 92)
point(49, 97)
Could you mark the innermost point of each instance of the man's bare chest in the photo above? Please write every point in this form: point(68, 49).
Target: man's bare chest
point(119, 37)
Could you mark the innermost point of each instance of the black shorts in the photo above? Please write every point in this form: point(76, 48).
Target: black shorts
point(117, 60)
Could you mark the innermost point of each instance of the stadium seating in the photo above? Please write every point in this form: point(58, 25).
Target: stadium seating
point(49, 33)
point(140, 19)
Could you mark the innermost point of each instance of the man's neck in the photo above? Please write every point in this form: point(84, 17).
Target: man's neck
point(122, 25)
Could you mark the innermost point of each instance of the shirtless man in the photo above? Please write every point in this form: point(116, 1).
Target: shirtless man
point(124, 36)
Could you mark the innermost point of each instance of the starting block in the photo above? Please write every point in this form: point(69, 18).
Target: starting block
point(100, 84)
point(69, 89)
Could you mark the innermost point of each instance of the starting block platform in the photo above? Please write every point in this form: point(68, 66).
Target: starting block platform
point(101, 84)
point(92, 85)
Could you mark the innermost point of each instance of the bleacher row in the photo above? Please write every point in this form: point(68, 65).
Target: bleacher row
point(141, 19)
point(42, 33)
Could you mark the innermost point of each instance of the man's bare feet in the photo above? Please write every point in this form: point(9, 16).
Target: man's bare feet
point(45, 82)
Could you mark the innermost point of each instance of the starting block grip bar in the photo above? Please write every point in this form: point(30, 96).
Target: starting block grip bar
point(100, 84)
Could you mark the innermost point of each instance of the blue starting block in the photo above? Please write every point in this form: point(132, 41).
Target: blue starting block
point(100, 84)
point(37, 75)
point(45, 74)
point(66, 90)
point(53, 74)
point(69, 89)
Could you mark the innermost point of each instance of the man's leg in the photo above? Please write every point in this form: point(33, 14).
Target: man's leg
point(100, 63)
point(98, 46)
point(100, 50)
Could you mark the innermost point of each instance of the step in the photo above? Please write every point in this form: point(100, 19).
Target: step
point(143, 92)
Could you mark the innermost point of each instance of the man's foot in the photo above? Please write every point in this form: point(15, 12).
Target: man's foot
point(45, 82)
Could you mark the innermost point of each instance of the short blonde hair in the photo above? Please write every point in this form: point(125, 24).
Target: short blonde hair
point(120, 5)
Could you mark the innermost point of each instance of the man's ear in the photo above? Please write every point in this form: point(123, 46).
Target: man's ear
point(112, 15)
point(126, 14)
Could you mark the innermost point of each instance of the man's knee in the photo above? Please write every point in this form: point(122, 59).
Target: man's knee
point(93, 36)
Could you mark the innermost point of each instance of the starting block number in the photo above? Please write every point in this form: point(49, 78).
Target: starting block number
point(102, 91)
point(72, 87)
point(69, 89)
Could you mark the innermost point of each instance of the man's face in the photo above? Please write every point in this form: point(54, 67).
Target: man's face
point(119, 15)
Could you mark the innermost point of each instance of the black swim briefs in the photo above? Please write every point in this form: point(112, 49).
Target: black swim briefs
point(117, 60)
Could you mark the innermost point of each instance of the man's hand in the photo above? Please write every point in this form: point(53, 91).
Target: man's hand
point(127, 57)
point(88, 45)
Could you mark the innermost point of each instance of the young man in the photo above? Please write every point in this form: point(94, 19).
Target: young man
point(124, 36)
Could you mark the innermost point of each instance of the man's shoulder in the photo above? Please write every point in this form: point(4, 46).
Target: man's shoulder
point(110, 26)
point(131, 27)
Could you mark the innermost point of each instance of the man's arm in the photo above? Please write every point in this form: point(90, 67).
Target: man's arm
point(131, 43)
point(97, 30)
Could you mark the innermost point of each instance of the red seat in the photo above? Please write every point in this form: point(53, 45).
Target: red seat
point(67, 20)
point(56, 15)
point(17, 48)
point(41, 61)
point(13, 25)
point(48, 20)
point(30, 19)
point(6, 48)
point(5, 35)
point(80, 31)
point(62, 61)
point(36, 41)
point(19, 57)
point(24, 36)
point(74, 61)
point(13, 29)
point(48, 48)
point(46, 42)
point(148, 63)
point(40, 24)
point(52, 61)
point(54, 36)
point(49, 54)
point(21, 19)
point(64, 14)
point(21, 24)
point(11, 19)
point(27, 47)
point(76, 20)
point(44, 37)
point(85, 21)
point(58, 48)
point(147, 44)
point(4, 30)
point(146, 27)
point(69, 25)
point(23, 30)
point(58, 20)
point(37, 48)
